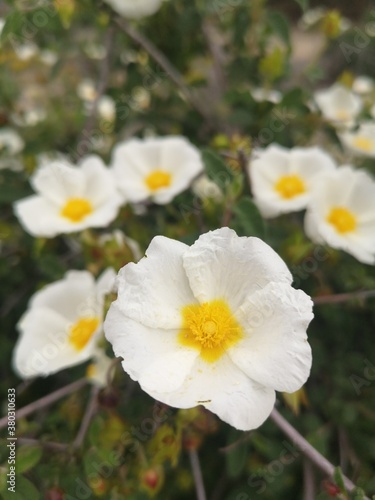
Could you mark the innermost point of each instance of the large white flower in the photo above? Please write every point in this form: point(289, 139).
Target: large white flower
point(338, 104)
point(135, 9)
point(362, 140)
point(69, 198)
point(282, 179)
point(155, 168)
point(215, 324)
point(62, 325)
point(342, 213)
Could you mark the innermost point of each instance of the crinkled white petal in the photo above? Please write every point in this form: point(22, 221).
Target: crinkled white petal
point(222, 265)
point(106, 282)
point(154, 290)
point(43, 347)
point(275, 352)
point(143, 349)
point(58, 182)
point(135, 9)
point(226, 391)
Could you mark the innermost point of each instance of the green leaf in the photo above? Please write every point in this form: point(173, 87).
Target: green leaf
point(339, 480)
point(304, 4)
point(236, 456)
point(216, 168)
point(28, 457)
point(24, 489)
point(247, 218)
point(13, 25)
point(279, 25)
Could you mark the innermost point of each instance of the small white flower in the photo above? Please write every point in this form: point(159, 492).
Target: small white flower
point(216, 324)
point(107, 108)
point(135, 9)
point(99, 370)
point(62, 324)
point(282, 179)
point(69, 199)
point(342, 213)
point(363, 85)
point(261, 94)
point(362, 140)
point(206, 189)
point(86, 90)
point(155, 168)
point(338, 104)
point(10, 142)
point(27, 51)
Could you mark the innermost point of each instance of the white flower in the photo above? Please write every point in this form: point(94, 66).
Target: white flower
point(107, 108)
point(216, 324)
point(206, 189)
point(282, 179)
point(262, 94)
point(99, 370)
point(10, 142)
point(342, 213)
point(62, 325)
point(362, 140)
point(135, 9)
point(155, 168)
point(363, 85)
point(338, 104)
point(86, 90)
point(69, 199)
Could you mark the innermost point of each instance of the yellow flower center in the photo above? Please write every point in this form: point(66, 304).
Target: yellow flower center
point(158, 179)
point(76, 209)
point(342, 219)
point(82, 331)
point(289, 186)
point(342, 114)
point(211, 328)
point(363, 143)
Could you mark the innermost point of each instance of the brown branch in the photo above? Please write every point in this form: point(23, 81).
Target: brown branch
point(197, 474)
point(45, 401)
point(308, 450)
point(308, 481)
point(165, 64)
point(46, 444)
point(343, 297)
point(89, 413)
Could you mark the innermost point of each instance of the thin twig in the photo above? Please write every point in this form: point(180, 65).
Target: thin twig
point(218, 58)
point(197, 474)
point(343, 297)
point(165, 64)
point(89, 413)
point(308, 480)
point(46, 444)
point(45, 401)
point(104, 73)
point(308, 450)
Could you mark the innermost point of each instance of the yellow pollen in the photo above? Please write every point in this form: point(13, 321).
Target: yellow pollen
point(210, 328)
point(82, 331)
point(158, 179)
point(363, 143)
point(76, 209)
point(342, 219)
point(289, 186)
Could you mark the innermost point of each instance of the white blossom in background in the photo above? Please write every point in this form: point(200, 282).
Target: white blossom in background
point(341, 213)
point(69, 199)
point(362, 140)
point(206, 189)
point(155, 169)
point(339, 104)
point(99, 371)
point(216, 324)
point(27, 51)
point(363, 85)
point(11, 144)
point(135, 9)
point(86, 90)
point(48, 57)
point(106, 108)
point(282, 179)
point(261, 94)
point(29, 117)
point(62, 325)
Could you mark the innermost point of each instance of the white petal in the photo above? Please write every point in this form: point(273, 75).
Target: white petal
point(226, 391)
point(59, 181)
point(154, 290)
point(100, 185)
point(106, 281)
point(43, 347)
point(275, 351)
point(141, 346)
point(222, 265)
point(72, 297)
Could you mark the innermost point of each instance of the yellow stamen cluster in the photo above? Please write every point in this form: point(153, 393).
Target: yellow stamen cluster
point(343, 220)
point(158, 179)
point(76, 209)
point(289, 186)
point(82, 331)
